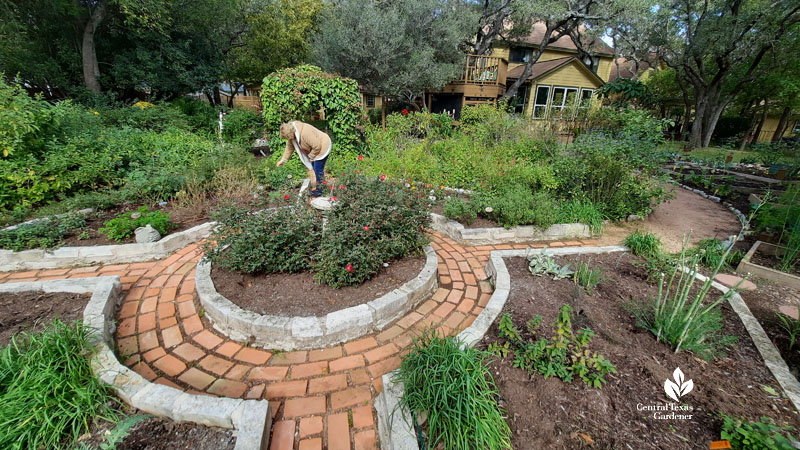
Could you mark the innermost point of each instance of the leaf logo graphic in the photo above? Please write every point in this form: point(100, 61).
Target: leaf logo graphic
point(678, 388)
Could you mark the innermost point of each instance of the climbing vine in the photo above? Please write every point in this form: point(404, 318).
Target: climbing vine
point(297, 92)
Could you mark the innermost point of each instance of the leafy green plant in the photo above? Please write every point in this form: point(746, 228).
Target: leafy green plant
point(643, 244)
point(581, 211)
point(123, 226)
point(791, 326)
point(761, 435)
point(44, 233)
point(565, 355)
point(241, 125)
point(791, 253)
point(455, 388)
point(518, 206)
point(544, 264)
point(460, 210)
point(711, 252)
point(118, 434)
point(47, 388)
point(588, 277)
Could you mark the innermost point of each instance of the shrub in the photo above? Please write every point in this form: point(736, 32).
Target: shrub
point(157, 118)
point(761, 435)
point(581, 211)
point(48, 391)
point(271, 241)
point(201, 116)
point(565, 355)
point(374, 222)
point(420, 125)
point(518, 206)
point(460, 210)
point(711, 252)
point(123, 226)
point(241, 125)
point(456, 390)
point(643, 244)
point(44, 233)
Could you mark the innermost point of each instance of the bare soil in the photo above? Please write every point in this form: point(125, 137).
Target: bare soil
point(772, 262)
point(30, 311)
point(298, 294)
point(670, 221)
point(551, 414)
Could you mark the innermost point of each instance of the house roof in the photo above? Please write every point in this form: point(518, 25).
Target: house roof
point(624, 68)
point(596, 45)
point(542, 68)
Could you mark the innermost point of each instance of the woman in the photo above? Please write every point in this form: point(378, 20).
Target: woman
point(312, 146)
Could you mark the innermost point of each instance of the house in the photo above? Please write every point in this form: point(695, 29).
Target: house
point(561, 83)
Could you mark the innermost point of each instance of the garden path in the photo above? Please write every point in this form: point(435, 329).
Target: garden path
point(320, 398)
point(671, 220)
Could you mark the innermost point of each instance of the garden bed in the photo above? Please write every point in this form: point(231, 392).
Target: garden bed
point(299, 294)
point(500, 235)
point(762, 261)
point(609, 416)
point(29, 311)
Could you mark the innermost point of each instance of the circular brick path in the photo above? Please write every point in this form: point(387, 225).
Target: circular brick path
point(320, 398)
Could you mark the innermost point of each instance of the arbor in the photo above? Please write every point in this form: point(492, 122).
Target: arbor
point(399, 48)
point(718, 46)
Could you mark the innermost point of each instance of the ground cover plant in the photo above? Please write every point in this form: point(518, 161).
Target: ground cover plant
point(123, 226)
point(48, 393)
point(375, 221)
point(454, 389)
point(44, 233)
point(763, 434)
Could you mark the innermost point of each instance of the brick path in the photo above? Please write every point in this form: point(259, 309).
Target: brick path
point(320, 398)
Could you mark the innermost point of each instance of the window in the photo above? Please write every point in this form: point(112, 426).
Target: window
point(563, 100)
point(370, 101)
point(519, 55)
point(540, 103)
point(586, 98)
point(521, 99)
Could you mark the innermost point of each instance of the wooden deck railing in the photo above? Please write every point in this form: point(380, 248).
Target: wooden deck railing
point(485, 70)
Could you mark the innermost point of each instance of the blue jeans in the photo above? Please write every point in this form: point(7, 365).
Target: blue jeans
point(319, 174)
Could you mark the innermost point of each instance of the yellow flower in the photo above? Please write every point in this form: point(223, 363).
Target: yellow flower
point(96, 113)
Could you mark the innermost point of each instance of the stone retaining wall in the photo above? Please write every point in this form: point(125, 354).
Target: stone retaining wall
point(298, 333)
point(102, 254)
point(499, 235)
point(250, 418)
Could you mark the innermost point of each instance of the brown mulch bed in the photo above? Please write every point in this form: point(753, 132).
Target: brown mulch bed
point(772, 262)
point(158, 433)
point(549, 413)
point(298, 294)
point(764, 303)
point(32, 310)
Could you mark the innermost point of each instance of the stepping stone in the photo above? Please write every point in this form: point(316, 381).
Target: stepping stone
point(322, 203)
point(731, 280)
point(790, 311)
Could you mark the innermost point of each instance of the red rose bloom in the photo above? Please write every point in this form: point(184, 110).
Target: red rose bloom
point(341, 187)
point(404, 112)
point(349, 267)
point(360, 158)
point(334, 198)
point(383, 177)
point(286, 197)
point(366, 227)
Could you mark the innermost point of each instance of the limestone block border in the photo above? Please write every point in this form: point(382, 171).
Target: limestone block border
point(300, 333)
point(394, 423)
point(102, 254)
point(500, 235)
point(249, 418)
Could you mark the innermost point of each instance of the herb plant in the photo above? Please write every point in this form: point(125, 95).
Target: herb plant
point(544, 264)
point(760, 435)
point(588, 277)
point(791, 326)
point(123, 226)
point(45, 233)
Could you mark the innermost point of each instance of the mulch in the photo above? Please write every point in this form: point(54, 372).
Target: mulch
point(772, 262)
point(549, 413)
point(298, 294)
point(31, 311)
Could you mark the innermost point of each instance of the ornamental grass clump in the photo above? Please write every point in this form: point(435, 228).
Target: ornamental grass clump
point(454, 387)
point(48, 393)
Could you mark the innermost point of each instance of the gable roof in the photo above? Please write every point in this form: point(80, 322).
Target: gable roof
point(542, 68)
point(596, 45)
point(625, 68)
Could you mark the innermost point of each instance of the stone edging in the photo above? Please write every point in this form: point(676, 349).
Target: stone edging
point(298, 333)
point(500, 235)
point(250, 418)
point(747, 266)
point(102, 254)
point(394, 424)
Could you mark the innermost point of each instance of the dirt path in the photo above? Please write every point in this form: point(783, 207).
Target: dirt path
point(686, 213)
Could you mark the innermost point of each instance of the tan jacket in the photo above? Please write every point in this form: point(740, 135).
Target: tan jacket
point(313, 142)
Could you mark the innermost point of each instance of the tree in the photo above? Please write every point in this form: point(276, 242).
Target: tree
point(397, 48)
point(705, 41)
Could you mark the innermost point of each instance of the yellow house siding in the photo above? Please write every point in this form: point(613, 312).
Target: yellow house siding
point(771, 125)
point(604, 68)
point(569, 76)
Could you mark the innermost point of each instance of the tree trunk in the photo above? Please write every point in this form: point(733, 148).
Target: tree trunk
point(760, 125)
point(711, 124)
point(743, 142)
point(91, 71)
point(778, 136)
point(696, 135)
point(234, 91)
point(687, 113)
point(217, 98)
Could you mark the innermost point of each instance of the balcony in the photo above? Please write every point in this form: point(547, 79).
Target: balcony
point(483, 77)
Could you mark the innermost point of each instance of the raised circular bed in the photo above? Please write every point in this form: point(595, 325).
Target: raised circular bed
point(296, 333)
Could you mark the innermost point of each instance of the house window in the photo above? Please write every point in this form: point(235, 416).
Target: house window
point(586, 98)
point(519, 55)
point(540, 103)
point(521, 99)
point(370, 101)
point(564, 98)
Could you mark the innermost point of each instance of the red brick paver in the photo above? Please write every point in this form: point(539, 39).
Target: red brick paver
point(323, 398)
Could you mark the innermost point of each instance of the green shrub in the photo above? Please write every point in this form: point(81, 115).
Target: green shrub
point(241, 125)
point(455, 388)
point(44, 233)
point(581, 211)
point(201, 116)
point(643, 244)
point(159, 118)
point(460, 210)
point(420, 125)
point(48, 391)
point(761, 435)
point(565, 355)
point(272, 241)
point(518, 206)
point(711, 252)
point(123, 226)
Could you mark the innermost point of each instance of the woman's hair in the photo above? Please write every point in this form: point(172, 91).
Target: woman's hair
point(287, 131)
